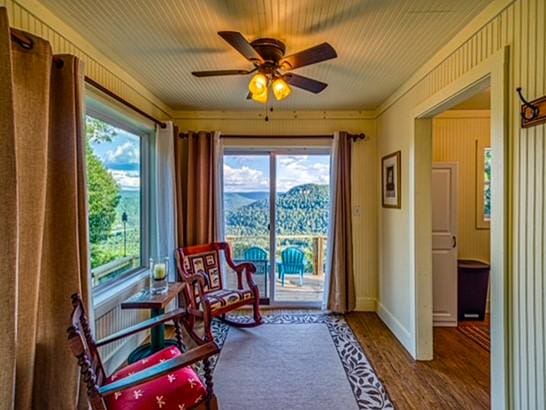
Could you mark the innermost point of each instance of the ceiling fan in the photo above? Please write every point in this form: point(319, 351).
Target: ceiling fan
point(272, 67)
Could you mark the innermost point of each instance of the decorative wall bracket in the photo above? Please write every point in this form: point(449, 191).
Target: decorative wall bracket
point(532, 112)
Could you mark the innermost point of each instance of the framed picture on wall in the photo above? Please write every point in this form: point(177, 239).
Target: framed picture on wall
point(390, 180)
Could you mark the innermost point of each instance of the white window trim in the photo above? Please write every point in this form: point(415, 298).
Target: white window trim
point(110, 292)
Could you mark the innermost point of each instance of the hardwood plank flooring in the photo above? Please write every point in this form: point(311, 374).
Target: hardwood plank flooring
point(457, 378)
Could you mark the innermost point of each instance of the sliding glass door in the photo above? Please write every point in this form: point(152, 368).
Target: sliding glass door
point(276, 211)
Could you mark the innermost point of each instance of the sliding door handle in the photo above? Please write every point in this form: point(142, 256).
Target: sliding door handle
point(454, 241)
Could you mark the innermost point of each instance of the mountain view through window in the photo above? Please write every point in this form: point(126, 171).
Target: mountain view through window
point(114, 192)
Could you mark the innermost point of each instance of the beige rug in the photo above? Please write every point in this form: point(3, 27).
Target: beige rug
point(300, 362)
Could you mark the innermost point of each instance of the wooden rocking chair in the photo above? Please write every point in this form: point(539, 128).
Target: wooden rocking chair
point(163, 380)
point(205, 296)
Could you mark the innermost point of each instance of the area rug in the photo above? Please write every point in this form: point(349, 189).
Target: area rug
point(479, 334)
point(295, 361)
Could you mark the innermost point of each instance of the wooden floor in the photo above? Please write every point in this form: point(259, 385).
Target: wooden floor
point(458, 377)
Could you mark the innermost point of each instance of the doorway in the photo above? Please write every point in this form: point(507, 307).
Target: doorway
point(276, 216)
point(489, 74)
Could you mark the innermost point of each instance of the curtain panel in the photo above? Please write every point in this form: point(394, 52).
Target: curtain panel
point(43, 221)
point(198, 188)
point(164, 223)
point(339, 292)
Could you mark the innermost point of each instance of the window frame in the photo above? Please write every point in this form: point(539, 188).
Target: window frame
point(146, 140)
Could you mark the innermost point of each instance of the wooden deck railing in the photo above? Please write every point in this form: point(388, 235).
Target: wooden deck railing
point(316, 243)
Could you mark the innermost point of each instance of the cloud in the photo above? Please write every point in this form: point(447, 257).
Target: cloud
point(244, 179)
point(292, 171)
point(123, 157)
point(127, 180)
point(299, 170)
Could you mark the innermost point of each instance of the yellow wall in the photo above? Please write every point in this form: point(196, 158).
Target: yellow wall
point(32, 16)
point(456, 137)
point(519, 25)
point(364, 171)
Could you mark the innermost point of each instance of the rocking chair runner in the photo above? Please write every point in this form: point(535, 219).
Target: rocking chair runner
point(164, 380)
point(200, 267)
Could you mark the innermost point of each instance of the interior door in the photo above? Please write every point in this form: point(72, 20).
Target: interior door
point(444, 243)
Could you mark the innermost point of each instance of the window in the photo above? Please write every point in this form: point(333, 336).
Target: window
point(115, 193)
point(487, 184)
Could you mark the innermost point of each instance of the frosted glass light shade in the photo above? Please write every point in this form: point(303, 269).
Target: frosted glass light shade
point(258, 84)
point(281, 89)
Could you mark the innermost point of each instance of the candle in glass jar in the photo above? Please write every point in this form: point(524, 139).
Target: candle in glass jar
point(159, 271)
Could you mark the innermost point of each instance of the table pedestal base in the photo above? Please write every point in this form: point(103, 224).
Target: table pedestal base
point(146, 350)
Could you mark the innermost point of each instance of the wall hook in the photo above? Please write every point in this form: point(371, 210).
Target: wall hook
point(531, 111)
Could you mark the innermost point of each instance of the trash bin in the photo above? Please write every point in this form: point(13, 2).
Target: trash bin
point(473, 282)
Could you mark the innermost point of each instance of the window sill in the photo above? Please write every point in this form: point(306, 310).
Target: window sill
point(106, 299)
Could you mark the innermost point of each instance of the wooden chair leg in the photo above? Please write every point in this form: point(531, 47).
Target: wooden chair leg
point(257, 314)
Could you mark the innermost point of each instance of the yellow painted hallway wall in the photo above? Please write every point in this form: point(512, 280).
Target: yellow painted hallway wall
point(460, 136)
point(520, 26)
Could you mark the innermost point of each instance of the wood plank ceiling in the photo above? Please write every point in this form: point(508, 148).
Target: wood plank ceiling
point(380, 43)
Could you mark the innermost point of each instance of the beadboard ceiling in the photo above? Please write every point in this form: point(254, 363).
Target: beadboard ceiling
point(380, 43)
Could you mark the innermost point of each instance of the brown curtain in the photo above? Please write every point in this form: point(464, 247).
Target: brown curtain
point(196, 170)
point(43, 221)
point(341, 288)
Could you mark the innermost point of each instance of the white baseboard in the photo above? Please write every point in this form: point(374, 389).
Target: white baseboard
point(366, 304)
point(401, 333)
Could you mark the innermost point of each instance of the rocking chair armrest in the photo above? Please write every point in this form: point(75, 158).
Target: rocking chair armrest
point(139, 327)
point(249, 269)
point(186, 359)
point(201, 283)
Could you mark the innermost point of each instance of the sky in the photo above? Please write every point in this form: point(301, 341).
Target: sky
point(250, 173)
point(122, 158)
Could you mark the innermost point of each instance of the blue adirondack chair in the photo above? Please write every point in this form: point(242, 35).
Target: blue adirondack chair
point(291, 263)
point(260, 259)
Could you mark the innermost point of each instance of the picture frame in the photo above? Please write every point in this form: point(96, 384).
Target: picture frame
point(391, 193)
point(483, 185)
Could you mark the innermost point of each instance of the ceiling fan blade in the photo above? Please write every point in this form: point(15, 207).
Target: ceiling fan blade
point(305, 83)
point(312, 55)
point(239, 43)
point(215, 73)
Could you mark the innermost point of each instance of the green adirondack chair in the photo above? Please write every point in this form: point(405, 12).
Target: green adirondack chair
point(291, 263)
point(259, 257)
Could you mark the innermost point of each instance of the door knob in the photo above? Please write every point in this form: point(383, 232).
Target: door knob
point(454, 239)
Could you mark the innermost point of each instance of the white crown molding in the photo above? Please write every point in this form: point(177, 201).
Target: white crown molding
point(275, 116)
point(43, 14)
point(488, 14)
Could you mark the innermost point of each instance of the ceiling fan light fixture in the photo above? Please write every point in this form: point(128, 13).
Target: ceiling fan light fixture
point(281, 89)
point(261, 98)
point(258, 84)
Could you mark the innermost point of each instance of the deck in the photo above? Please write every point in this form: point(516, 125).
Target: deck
point(310, 291)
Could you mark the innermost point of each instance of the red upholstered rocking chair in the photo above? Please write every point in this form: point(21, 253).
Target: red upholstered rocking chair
point(200, 267)
point(163, 380)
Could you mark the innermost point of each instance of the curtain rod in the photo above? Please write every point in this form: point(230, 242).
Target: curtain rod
point(27, 43)
point(354, 137)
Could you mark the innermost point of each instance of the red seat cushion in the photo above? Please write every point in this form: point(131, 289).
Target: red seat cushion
point(179, 390)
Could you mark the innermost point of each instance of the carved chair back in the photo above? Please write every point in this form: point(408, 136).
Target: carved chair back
point(83, 346)
point(205, 260)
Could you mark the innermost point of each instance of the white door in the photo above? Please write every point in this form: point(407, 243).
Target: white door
point(444, 243)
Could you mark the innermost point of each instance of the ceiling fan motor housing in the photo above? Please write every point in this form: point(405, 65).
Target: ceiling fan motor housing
point(270, 49)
